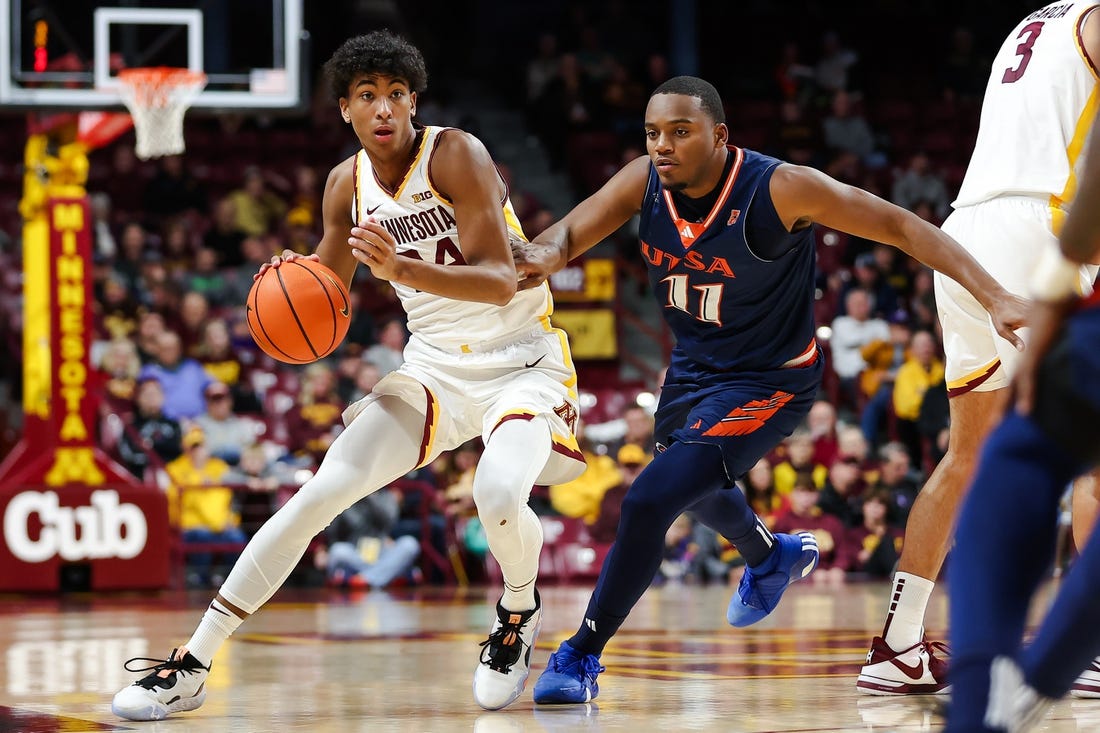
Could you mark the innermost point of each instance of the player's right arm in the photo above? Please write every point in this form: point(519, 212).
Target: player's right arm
point(333, 249)
point(589, 223)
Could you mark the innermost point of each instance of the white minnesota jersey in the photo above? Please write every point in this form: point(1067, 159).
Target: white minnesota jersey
point(423, 223)
point(1038, 108)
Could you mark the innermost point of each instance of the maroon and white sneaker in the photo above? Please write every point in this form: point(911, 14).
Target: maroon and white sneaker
point(1088, 684)
point(913, 671)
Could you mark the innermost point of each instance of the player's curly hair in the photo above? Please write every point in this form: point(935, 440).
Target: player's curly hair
point(693, 86)
point(379, 52)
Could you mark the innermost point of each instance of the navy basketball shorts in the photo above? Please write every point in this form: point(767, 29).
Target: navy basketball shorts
point(1067, 399)
point(746, 415)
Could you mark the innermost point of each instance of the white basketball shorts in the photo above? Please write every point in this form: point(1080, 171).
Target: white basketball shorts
point(465, 395)
point(1006, 236)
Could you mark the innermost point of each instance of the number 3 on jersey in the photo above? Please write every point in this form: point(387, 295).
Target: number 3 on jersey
point(710, 298)
point(1032, 31)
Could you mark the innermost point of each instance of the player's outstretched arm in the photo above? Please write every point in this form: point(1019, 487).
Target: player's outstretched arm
point(589, 223)
point(803, 195)
point(462, 171)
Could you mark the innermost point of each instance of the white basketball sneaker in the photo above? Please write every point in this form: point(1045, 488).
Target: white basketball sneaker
point(506, 656)
point(172, 686)
point(1088, 684)
point(1013, 705)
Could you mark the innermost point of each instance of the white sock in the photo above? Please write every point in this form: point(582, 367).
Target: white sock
point(217, 624)
point(908, 602)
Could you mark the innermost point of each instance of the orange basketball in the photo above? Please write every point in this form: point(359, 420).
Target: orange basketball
point(298, 312)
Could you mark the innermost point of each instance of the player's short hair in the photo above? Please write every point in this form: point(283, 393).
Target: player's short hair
point(693, 86)
point(377, 52)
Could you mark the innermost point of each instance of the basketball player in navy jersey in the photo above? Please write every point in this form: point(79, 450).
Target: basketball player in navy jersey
point(1006, 532)
point(726, 234)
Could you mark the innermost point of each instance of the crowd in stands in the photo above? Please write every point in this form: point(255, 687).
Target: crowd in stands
point(192, 405)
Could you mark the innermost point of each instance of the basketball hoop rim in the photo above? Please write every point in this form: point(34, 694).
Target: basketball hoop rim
point(157, 86)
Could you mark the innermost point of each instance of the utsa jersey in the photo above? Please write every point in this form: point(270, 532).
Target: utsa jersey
point(1042, 90)
point(422, 221)
point(729, 309)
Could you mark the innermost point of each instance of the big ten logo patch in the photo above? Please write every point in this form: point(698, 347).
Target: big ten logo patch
point(422, 196)
point(37, 528)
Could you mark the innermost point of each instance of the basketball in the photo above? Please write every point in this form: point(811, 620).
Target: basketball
point(298, 312)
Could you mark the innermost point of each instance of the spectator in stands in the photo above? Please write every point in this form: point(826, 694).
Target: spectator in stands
point(933, 425)
point(301, 231)
point(920, 371)
point(208, 278)
point(581, 497)
point(878, 541)
point(883, 359)
point(151, 432)
point(851, 332)
point(133, 244)
point(794, 79)
point(841, 496)
point(800, 459)
point(224, 237)
point(201, 506)
point(150, 326)
point(568, 104)
point(194, 313)
point(104, 244)
point(821, 422)
point(126, 182)
point(173, 189)
point(678, 559)
point(796, 139)
point(177, 254)
point(120, 365)
point(315, 421)
point(759, 487)
point(833, 70)
point(919, 183)
point(868, 276)
point(922, 302)
point(227, 434)
point(631, 459)
point(260, 478)
point(366, 376)
point(897, 478)
point(254, 252)
point(115, 312)
point(389, 353)
point(216, 354)
point(832, 536)
point(360, 552)
point(182, 378)
point(258, 210)
point(847, 131)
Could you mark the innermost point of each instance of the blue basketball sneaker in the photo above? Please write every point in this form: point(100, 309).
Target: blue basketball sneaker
point(758, 595)
point(569, 677)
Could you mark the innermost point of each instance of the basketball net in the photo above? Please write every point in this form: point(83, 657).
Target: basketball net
point(157, 98)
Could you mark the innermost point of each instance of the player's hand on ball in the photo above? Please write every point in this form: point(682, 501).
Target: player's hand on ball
point(288, 255)
point(376, 248)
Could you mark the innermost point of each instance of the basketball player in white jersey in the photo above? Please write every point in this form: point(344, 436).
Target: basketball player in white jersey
point(1039, 104)
point(425, 209)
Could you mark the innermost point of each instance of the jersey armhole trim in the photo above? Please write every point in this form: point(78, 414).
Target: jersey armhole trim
point(1080, 42)
point(428, 172)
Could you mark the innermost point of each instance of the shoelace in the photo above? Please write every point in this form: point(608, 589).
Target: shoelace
point(589, 664)
point(503, 647)
point(153, 679)
point(936, 646)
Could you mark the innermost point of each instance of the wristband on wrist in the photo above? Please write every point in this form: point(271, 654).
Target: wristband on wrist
point(1055, 278)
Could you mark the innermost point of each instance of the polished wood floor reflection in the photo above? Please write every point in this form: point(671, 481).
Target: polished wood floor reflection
point(403, 661)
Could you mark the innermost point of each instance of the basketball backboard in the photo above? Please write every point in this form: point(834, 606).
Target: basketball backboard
point(66, 54)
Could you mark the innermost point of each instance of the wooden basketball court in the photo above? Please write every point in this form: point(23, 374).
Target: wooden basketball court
point(403, 661)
